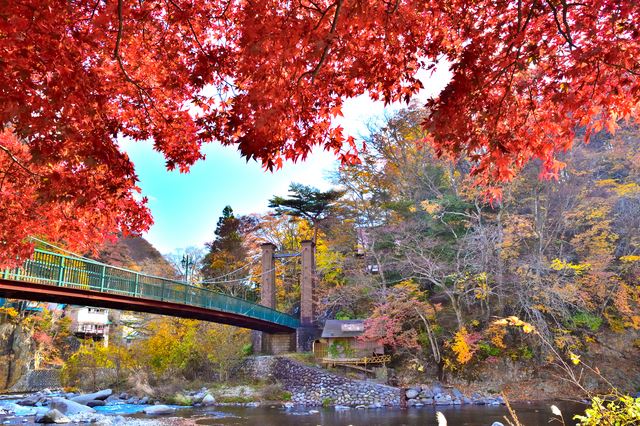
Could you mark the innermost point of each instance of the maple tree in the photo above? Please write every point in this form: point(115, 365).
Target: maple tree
point(270, 76)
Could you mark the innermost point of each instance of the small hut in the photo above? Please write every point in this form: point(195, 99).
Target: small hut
point(339, 345)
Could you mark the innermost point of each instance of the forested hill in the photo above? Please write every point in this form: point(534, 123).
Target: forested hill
point(138, 254)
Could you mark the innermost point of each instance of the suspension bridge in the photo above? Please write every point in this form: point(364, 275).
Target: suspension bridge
point(63, 278)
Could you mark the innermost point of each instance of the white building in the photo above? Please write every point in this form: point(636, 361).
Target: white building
point(90, 323)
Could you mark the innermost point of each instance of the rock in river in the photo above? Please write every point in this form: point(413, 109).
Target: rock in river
point(208, 400)
point(159, 410)
point(67, 407)
point(52, 416)
point(100, 396)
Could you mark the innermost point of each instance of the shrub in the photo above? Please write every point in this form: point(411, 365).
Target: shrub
point(181, 399)
point(488, 350)
point(623, 411)
point(235, 399)
point(274, 392)
point(327, 402)
point(587, 320)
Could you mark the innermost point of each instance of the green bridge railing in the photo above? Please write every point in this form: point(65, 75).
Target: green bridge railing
point(60, 270)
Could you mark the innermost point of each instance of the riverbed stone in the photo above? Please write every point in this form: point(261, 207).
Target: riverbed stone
point(96, 403)
point(443, 400)
point(208, 400)
point(52, 416)
point(156, 410)
point(99, 396)
point(30, 401)
point(412, 393)
point(497, 424)
point(68, 407)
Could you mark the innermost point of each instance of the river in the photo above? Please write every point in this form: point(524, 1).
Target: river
point(529, 415)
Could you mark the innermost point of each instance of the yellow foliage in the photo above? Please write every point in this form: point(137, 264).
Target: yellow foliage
point(578, 268)
point(630, 258)
point(621, 189)
point(460, 347)
point(430, 207)
point(627, 189)
point(497, 335)
point(575, 359)
point(515, 322)
point(10, 313)
point(482, 291)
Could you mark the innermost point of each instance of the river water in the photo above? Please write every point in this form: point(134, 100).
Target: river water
point(529, 415)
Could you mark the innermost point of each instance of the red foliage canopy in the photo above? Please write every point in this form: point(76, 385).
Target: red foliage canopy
point(269, 76)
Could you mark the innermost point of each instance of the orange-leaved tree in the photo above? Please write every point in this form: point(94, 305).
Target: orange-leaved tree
point(270, 76)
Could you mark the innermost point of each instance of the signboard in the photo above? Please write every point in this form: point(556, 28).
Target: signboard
point(353, 327)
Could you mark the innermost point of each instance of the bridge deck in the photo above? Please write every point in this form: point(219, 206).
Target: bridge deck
point(54, 277)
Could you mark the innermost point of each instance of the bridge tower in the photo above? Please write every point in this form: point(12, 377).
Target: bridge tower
point(304, 336)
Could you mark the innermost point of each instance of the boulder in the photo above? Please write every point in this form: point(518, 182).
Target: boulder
point(68, 407)
point(412, 393)
point(497, 424)
point(426, 393)
point(456, 393)
point(144, 400)
point(158, 410)
point(443, 400)
point(100, 396)
point(52, 416)
point(96, 403)
point(30, 401)
point(208, 400)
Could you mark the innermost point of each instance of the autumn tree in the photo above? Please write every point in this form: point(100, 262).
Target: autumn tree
point(190, 349)
point(269, 77)
point(226, 266)
point(308, 203)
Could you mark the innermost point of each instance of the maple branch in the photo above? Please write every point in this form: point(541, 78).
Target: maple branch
point(314, 73)
point(193, 31)
point(116, 55)
point(315, 7)
point(566, 34)
point(17, 161)
point(116, 50)
point(395, 7)
point(611, 64)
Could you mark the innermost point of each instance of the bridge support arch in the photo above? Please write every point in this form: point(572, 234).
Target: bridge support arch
point(302, 339)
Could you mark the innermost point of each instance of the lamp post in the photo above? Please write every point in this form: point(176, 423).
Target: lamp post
point(187, 262)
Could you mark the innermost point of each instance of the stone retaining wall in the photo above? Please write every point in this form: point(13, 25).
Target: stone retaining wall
point(36, 380)
point(315, 386)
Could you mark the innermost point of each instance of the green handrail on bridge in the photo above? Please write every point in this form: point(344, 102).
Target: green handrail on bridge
point(60, 270)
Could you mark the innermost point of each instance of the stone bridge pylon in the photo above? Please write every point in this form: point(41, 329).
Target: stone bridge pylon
point(307, 332)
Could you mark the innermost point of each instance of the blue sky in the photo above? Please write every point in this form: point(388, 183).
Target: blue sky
point(186, 207)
